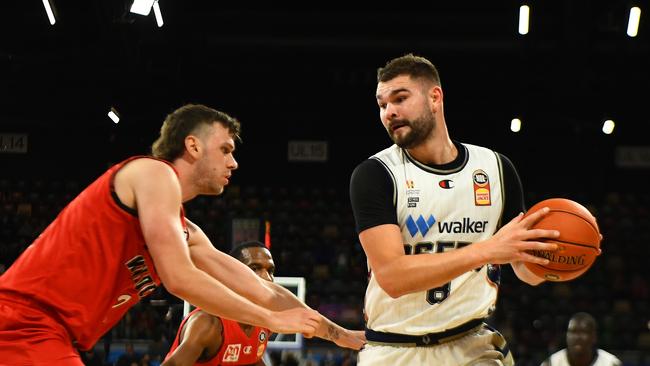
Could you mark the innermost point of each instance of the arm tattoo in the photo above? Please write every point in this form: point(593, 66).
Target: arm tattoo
point(332, 333)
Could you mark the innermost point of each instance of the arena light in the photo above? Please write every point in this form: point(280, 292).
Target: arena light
point(608, 127)
point(633, 21)
point(142, 7)
point(524, 17)
point(157, 13)
point(48, 10)
point(515, 125)
point(113, 115)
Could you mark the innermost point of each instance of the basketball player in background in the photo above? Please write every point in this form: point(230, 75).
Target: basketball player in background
point(123, 236)
point(429, 212)
point(581, 347)
point(206, 339)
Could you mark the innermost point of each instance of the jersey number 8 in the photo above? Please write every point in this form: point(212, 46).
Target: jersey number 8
point(438, 294)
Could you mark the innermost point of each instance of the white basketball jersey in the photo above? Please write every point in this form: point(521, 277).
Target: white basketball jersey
point(604, 358)
point(439, 211)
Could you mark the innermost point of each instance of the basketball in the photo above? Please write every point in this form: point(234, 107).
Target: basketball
point(578, 243)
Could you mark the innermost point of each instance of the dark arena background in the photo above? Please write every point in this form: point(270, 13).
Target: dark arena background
point(302, 82)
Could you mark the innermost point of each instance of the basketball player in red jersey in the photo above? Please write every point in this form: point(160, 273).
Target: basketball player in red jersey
point(123, 236)
point(204, 339)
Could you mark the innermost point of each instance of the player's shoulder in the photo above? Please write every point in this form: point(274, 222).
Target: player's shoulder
point(148, 169)
point(391, 155)
point(205, 323)
point(608, 358)
point(369, 171)
point(476, 149)
point(148, 163)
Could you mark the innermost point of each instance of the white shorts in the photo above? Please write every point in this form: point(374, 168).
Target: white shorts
point(482, 347)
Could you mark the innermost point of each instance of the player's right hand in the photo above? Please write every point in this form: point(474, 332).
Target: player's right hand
point(297, 320)
point(513, 241)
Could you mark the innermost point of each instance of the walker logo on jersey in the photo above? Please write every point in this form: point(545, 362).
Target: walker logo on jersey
point(140, 275)
point(466, 225)
point(446, 184)
point(247, 350)
point(420, 225)
point(232, 353)
point(481, 188)
point(410, 184)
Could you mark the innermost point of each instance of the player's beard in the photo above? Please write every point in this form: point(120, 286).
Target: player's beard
point(421, 128)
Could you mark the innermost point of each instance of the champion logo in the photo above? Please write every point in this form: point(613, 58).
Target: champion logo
point(446, 184)
point(420, 224)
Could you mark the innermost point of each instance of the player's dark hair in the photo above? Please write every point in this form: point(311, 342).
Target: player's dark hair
point(236, 251)
point(416, 67)
point(187, 120)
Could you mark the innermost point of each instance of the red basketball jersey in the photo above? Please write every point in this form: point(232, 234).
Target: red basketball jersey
point(88, 267)
point(237, 348)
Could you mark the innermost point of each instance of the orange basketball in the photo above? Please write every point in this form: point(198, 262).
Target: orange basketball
point(579, 241)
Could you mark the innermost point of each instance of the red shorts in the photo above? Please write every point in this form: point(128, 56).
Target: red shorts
point(30, 337)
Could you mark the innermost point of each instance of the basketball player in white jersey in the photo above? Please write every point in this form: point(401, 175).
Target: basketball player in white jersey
point(436, 218)
point(581, 347)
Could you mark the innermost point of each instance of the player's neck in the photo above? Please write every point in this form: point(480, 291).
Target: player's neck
point(436, 150)
point(580, 359)
point(185, 178)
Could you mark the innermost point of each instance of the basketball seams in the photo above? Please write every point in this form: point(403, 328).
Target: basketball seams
point(572, 243)
point(580, 216)
point(564, 270)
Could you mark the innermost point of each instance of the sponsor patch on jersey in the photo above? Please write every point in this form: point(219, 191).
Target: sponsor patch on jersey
point(481, 188)
point(410, 192)
point(260, 349)
point(247, 350)
point(232, 353)
point(262, 336)
point(446, 184)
